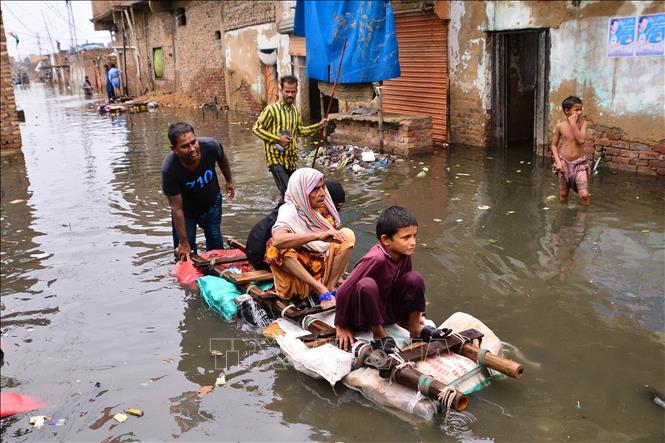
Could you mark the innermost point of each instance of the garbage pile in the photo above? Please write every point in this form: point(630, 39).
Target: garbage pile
point(350, 157)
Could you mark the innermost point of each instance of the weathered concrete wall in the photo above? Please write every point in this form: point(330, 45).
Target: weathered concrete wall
point(626, 94)
point(9, 129)
point(469, 58)
point(244, 78)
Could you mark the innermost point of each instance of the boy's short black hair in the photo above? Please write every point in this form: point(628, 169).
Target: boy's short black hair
point(393, 219)
point(287, 79)
point(177, 129)
point(336, 192)
point(570, 101)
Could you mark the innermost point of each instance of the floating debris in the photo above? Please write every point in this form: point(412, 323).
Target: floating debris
point(518, 170)
point(644, 231)
point(120, 418)
point(510, 212)
point(545, 208)
point(40, 256)
point(221, 380)
point(483, 207)
point(550, 197)
point(438, 220)
point(168, 360)
point(205, 390)
point(421, 174)
point(13, 202)
point(463, 174)
point(38, 420)
point(135, 412)
point(367, 156)
point(459, 221)
point(491, 241)
point(455, 199)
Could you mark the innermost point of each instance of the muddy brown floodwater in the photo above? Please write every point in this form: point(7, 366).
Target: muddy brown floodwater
point(91, 316)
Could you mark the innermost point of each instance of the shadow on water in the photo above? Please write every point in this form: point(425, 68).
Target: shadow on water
point(93, 322)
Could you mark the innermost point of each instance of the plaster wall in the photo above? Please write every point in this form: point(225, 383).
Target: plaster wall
point(625, 93)
point(244, 77)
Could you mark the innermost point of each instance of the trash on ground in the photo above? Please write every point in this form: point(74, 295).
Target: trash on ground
point(120, 418)
point(367, 156)
point(350, 157)
point(38, 420)
point(221, 380)
point(205, 390)
point(135, 412)
point(483, 207)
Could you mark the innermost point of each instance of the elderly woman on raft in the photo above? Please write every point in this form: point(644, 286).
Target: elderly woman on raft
point(308, 252)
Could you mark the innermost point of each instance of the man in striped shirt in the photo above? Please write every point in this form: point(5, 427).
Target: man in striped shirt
point(278, 126)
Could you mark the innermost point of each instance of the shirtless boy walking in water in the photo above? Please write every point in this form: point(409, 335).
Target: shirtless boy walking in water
point(570, 162)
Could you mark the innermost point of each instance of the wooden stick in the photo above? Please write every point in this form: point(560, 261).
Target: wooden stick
point(505, 366)
point(332, 96)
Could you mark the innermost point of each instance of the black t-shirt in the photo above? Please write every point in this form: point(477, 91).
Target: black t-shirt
point(199, 188)
point(257, 239)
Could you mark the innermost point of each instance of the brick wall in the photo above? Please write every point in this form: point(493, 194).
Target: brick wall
point(11, 134)
point(623, 154)
point(200, 56)
point(240, 14)
point(469, 122)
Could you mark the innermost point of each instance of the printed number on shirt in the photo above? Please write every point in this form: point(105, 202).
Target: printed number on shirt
point(202, 180)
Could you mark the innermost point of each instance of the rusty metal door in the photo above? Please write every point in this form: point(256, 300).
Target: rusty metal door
point(541, 111)
point(422, 88)
point(499, 113)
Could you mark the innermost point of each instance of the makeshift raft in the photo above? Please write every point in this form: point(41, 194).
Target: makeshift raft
point(421, 380)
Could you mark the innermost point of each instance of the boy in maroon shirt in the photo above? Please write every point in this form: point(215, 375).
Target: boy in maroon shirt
point(382, 289)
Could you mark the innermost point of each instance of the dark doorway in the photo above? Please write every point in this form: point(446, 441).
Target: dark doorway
point(318, 105)
point(520, 62)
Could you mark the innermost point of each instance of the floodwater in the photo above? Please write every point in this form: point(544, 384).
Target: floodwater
point(91, 315)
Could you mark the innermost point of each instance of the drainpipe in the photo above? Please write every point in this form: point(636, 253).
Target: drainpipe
point(379, 108)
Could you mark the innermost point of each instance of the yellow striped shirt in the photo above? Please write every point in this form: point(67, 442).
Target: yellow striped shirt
point(279, 117)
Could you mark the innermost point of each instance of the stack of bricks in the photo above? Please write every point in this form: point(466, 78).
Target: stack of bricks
point(11, 134)
point(254, 107)
point(625, 155)
point(403, 135)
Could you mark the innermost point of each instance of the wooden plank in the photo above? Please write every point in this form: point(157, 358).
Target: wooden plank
point(250, 277)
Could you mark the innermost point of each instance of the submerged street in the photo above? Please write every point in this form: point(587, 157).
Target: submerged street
point(93, 322)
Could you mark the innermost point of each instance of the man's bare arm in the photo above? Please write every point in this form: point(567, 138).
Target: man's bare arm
point(225, 167)
point(178, 214)
point(555, 146)
point(578, 133)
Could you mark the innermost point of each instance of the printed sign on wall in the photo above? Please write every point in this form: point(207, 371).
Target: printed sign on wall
point(650, 35)
point(621, 37)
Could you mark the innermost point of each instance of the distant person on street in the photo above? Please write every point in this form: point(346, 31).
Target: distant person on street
point(570, 162)
point(114, 77)
point(278, 126)
point(87, 87)
point(110, 92)
point(189, 181)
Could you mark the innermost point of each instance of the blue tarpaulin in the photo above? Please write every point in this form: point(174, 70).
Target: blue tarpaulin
point(369, 28)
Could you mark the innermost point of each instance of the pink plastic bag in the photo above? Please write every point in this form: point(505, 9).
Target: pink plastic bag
point(187, 273)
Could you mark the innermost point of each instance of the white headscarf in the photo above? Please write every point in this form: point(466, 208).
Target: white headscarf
point(298, 216)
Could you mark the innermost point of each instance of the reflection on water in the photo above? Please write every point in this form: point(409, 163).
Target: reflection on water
point(93, 322)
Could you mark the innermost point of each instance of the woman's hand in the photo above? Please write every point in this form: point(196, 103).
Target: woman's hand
point(332, 236)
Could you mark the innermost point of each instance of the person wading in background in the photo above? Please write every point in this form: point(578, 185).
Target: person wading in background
point(278, 126)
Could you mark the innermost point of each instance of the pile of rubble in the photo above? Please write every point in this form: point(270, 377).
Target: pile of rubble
point(350, 157)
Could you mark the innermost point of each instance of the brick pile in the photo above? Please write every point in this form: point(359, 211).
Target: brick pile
point(625, 155)
point(11, 134)
point(404, 135)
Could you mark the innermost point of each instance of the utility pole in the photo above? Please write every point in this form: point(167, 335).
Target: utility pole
point(73, 43)
point(52, 48)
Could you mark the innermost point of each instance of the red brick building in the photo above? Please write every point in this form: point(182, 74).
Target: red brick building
point(9, 126)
